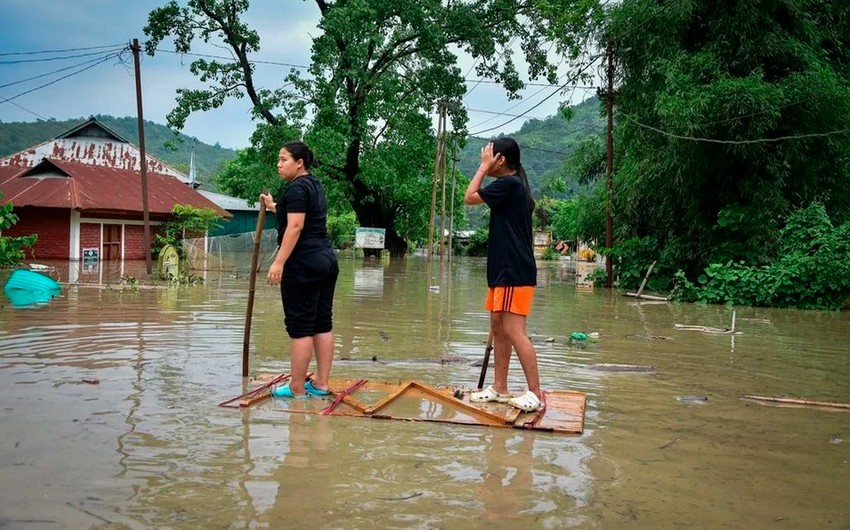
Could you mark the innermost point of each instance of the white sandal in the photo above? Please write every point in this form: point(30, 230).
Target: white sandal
point(527, 402)
point(489, 394)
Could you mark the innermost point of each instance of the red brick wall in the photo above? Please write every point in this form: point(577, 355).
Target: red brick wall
point(89, 237)
point(53, 226)
point(134, 241)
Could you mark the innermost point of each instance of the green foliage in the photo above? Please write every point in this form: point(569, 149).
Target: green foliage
point(377, 68)
point(477, 245)
point(187, 221)
point(565, 220)
point(341, 229)
point(12, 248)
point(550, 254)
point(165, 144)
point(729, 71)
point(813, 271)
point(255, 168)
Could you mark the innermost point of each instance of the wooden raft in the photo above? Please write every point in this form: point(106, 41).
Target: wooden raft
point(415, 401)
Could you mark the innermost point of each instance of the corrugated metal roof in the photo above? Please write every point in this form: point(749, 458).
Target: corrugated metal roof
point(94, 144)
point(229, 203)
point(63, 184)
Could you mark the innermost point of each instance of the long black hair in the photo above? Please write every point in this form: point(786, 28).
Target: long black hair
point(508, 148)
point(300, 151)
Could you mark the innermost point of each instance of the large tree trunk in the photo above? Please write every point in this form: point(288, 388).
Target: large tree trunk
point(369, 214)
point(369, 211)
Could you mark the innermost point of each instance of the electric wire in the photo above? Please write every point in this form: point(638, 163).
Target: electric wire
point(734, 142)
point(53, 72)
point(58, 58)
point(108, 57)
point(66, 50)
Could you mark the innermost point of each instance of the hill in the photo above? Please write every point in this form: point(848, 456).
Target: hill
point(160, 141)
point(545, 145)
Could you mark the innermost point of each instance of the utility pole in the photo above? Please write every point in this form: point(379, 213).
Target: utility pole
point(443, 199)
point(143, 162)
point(609, 179)
point(441, 154)
point(455, 160)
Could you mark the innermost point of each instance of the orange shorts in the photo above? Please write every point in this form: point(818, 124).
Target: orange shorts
point(515, 300)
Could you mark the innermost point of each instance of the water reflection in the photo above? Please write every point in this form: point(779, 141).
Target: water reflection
point(148, 448)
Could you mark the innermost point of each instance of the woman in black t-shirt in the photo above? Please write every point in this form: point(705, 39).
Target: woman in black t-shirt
point(306, 269)
point(511, 269)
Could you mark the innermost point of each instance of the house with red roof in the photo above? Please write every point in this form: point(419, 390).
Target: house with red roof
point(83, 190)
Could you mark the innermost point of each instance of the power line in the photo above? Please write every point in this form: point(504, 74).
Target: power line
point(209, 56)
point(735, 142)
point(561, 87)
point(66, 50)
point(58, 58)
point(501, 55)
point(502, 113)
point(34, 113)
point(53, 72)
point(108, 57)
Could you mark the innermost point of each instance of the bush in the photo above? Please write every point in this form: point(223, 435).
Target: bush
point(813, 271)
point(187, 221)
point(12, 248)
point(341, 229)
point(476, 246)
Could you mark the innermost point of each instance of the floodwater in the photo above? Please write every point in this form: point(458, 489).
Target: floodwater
point(148, 447)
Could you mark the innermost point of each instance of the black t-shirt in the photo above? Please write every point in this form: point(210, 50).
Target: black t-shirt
point(510, 253)
point(304, 195)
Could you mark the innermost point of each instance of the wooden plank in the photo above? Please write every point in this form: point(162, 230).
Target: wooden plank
point(387, 400)
point(449, 399)
point(804, 402)
point(646, 297)
point(564, 412)
point(255, 399)
point(645, 278)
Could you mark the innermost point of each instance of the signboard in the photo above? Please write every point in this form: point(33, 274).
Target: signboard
point(369, 237)
point(542, 239)
point(91, 254)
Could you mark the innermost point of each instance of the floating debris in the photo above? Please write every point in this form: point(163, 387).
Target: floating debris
point(623, 368)
point(697, 400)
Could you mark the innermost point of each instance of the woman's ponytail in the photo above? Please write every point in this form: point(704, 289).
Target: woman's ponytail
point(529, 197)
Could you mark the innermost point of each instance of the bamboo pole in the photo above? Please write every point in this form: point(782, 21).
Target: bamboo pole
point(806, 402)
point(249, 313)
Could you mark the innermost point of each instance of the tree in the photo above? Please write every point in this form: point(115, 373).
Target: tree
point(12, 248)
point(378, 68)
point(730, 116)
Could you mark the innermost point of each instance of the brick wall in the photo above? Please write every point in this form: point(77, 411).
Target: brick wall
point(134, 241)
point(89, 237)
point(53, 226)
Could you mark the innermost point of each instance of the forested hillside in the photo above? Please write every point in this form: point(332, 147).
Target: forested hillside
point(545, 145)
point(160, 141)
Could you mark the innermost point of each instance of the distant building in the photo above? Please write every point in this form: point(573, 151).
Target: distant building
point(244, 218)
point(82, 191)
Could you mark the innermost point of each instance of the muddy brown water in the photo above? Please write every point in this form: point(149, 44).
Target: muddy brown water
point(147, 447)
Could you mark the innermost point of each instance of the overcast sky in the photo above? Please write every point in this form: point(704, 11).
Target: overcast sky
point(28, 26)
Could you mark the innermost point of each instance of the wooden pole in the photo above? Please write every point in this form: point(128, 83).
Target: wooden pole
point(484, 366)
point(805, 402)
point(609, 179)
point(443, 199)
point(440, 147)
point(452, 202)
point(252, 282)
point(645, 278)
point(142, 157)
